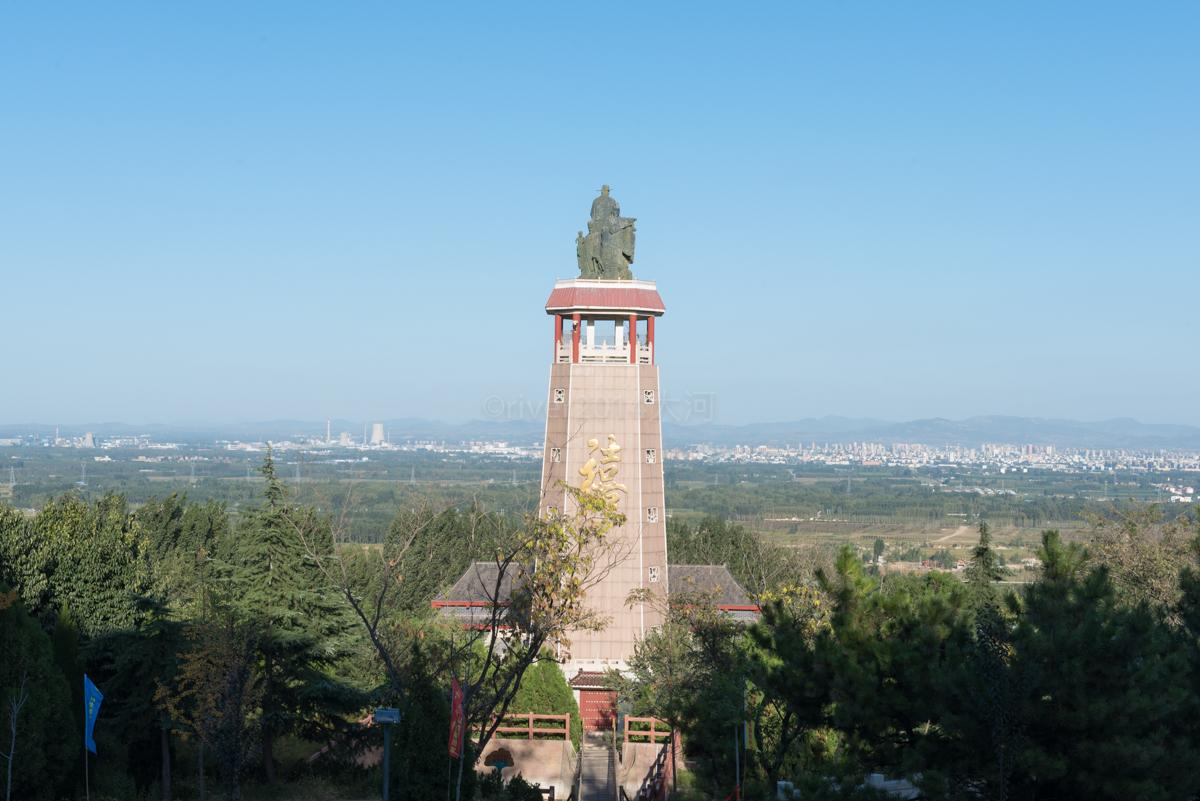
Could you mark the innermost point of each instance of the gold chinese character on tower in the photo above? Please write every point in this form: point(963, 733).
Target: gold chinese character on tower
point(600, 470)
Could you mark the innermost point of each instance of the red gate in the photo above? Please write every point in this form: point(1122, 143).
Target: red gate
point(598, 708)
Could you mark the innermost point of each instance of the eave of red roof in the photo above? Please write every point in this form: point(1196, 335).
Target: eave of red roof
point(566, 298)
point(587, 679)
point(483, 604)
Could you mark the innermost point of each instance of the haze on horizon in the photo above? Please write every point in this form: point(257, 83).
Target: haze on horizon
point(226, 213)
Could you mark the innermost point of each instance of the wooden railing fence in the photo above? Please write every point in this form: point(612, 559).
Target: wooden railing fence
point(532, 731)
point(652, 734)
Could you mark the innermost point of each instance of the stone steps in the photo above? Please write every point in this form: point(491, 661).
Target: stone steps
point(597, 771)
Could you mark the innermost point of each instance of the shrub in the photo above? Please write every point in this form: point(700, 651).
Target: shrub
point(544, 691)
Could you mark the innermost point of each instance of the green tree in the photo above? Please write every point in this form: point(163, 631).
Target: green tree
point(1188, 613)
point(877, 674)
point(758, 566)
point(181, 538)
point(536, 598)
point(544, 690)
point(37, 733)
point(177, 538)
point(214, 694)
point(432, 551)
point(891, 650)
point(984, 570)
point(549, 566)
point(691, 673)
point(943, 559)
point(1144, 553)
point(78, 555)
point(1106, 707)
point(661, 681)
point(979, 718)
point(131, 664)
point(791, 680)
point(65, 642)
point(302, 625)
point(15, 548)
point(419, 759)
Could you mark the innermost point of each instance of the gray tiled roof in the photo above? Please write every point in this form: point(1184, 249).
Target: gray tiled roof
point(476, 587)
point(708, 579)
point(478, 584)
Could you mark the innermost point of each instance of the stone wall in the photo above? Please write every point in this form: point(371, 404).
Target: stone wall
point(544, 762)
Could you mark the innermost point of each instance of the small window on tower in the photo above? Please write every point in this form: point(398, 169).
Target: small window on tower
point(648, 395)
point(651, 456)
point(560, 395)
point(652, 514)
point(654, 575)
point(556, 454)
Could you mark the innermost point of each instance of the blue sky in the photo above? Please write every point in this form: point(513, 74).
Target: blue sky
point(215, 212)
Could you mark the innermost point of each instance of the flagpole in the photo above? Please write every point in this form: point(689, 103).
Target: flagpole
point(462, 744)
point(87, 790)
point(461, 758)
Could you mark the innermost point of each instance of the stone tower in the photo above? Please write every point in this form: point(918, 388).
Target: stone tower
point(604, 424)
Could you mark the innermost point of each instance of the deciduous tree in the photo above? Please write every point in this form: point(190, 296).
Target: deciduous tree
point(35, 717)
point(536, 588)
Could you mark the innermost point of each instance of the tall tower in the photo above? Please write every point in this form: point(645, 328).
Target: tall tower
point(604, 432)
point(603, 411)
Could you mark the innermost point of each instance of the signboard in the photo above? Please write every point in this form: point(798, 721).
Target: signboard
point(387, 714)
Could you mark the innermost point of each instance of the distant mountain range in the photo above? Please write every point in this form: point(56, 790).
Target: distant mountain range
point(973, 431)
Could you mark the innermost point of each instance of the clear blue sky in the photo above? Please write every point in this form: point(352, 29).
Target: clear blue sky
point(247, 211)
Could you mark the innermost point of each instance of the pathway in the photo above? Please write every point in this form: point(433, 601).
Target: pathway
point(597, 768)
point(960, 531)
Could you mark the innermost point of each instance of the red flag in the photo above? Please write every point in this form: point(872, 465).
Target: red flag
point(457, 722)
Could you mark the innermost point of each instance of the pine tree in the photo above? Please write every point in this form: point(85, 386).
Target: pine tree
point(544, 690)
point(419, 770)
point(302, 625)
point(984, 571)
point(1105, 706)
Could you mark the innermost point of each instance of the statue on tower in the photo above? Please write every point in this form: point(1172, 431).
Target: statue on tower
point(607, 250)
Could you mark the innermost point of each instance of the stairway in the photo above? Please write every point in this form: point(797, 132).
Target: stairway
point(597, 768)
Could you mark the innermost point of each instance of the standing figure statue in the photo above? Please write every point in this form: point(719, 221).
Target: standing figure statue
point(607, 250)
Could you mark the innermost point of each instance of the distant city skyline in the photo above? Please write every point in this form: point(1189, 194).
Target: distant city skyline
point(223, 213)
point(977, 432)
point(1002, 457)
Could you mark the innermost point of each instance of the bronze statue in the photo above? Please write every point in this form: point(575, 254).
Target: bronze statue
point(607, 250)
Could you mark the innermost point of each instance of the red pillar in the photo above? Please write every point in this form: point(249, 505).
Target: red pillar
point(558, 324)
point(650, 335)
point(575, 339)
point(633, 339)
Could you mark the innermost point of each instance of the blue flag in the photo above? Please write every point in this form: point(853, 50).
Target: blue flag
point(91, 708)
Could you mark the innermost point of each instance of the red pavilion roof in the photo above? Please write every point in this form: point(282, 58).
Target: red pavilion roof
point(584, 294)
